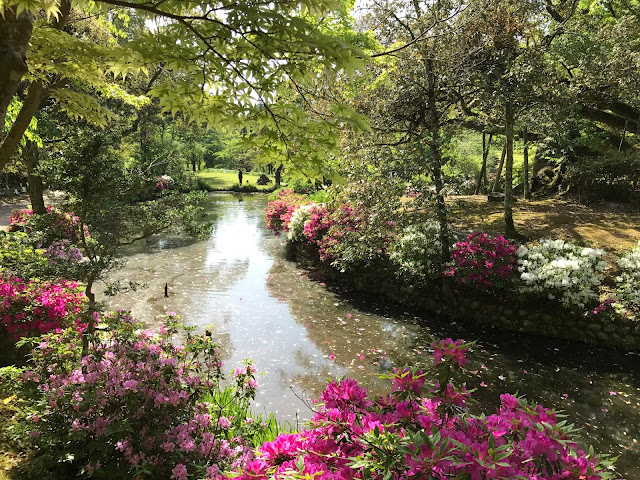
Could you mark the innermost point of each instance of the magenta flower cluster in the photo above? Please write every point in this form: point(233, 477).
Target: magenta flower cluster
point(279, 211)
point(317, 227)
point(483, 261)
point(162, 184)
point(32, 307)
point(408, 435)
point(449, 350)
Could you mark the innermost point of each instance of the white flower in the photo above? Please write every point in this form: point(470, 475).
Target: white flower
point(562, 270)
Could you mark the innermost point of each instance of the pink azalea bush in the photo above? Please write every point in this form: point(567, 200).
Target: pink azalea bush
point(32, 307)
point(136, 405)
point(50, 227)
point(422, 431)
point(483, 262)
point(318, 224)
point(279, 211)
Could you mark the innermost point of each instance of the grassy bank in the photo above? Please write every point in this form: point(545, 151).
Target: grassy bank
point(219, 179)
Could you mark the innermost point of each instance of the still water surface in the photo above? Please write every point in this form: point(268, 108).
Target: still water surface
point(300, 333)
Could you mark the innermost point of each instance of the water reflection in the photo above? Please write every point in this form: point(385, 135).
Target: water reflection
point(300, 333)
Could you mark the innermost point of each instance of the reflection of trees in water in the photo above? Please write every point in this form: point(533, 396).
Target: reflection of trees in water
point(331, 328)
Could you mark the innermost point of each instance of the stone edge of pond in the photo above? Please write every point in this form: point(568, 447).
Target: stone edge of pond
point(537, 316)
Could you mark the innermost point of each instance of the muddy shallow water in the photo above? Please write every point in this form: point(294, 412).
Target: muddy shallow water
point(300, 333)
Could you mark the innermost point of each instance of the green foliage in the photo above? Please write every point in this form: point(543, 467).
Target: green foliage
point(18, 256)
point(611, 177)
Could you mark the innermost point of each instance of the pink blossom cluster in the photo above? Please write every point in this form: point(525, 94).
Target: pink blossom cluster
point(162, 184)
point(63, 251)
point(607, 304)
point(344, 219)
point(32, 307)
point(450, 350)
point(279, 211)
point(136, 402)
point(317, 227)
point(21, 217)
point(483, 261)
point(60, 225)
point(408, 436)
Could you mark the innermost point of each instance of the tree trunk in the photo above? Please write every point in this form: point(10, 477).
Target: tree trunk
point(482, 176)
point(35, 95)
point(496, 182)
point(510, 229)
point(36, 92)
point(36, 190)
point(436, 166)
point(15, 33)
point(525, 137)
point(91, 327)
point(278, 178)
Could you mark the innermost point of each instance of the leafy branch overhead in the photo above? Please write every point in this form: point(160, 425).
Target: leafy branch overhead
point(232, 60)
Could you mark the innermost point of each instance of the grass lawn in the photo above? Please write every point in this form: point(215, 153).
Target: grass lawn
point(219, 179)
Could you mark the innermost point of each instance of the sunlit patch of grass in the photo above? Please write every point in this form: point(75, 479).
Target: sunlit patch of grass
point(219, 179)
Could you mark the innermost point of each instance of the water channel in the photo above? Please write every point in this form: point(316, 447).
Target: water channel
point(300, 332)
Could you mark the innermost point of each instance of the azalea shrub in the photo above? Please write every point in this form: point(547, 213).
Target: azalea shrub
point(483, 261)
point(299, 218)
point(137, 405)
point(629, 279)
point(280, 210)
point(50, 227)
point(422, 429)
point(318, 224)
point(33, 307)
point(358, 234)
point(563, 271)
point(418, 252)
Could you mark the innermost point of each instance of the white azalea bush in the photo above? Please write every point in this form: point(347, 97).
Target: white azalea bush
point(562, 270)
point(417, 251)
point(299, 218)
point(629, 279)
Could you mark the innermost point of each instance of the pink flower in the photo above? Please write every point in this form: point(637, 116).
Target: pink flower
point(179, 472)
point(224, 422)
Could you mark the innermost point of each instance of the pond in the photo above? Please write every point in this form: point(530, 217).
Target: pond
point(301, 333)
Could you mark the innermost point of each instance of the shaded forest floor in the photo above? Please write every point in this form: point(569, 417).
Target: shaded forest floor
point(613, 227)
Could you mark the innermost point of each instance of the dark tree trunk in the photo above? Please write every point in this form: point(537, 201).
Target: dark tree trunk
point(510, 229)
point(496, 182)
point(15, 33)
point(481, 182)
point(278, 179)
point(436, 164)
point(525, 138)
point(30, 155)
point(35, 95)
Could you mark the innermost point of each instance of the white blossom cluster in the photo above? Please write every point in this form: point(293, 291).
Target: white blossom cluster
point(562, 270)
point(417, 252)
point(299, 217)
point(629, 279)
